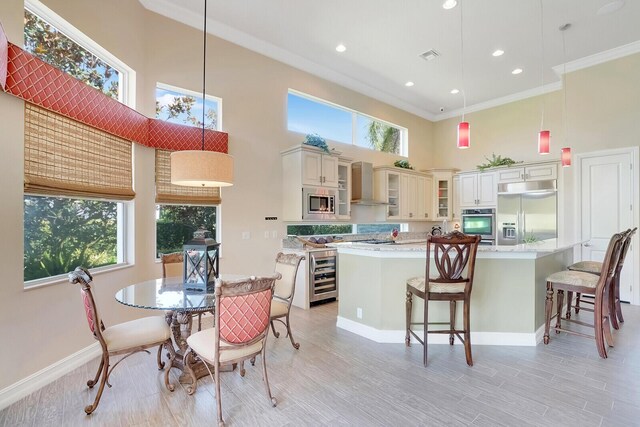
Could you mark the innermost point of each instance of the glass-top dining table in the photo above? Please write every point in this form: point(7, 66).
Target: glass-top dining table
point(178, 303)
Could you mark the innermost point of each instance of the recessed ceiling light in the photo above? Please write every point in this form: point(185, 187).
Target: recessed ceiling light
point(610, 7)
point(341, 48)
point(408, 84)
point(454, 91)
point(517, 71)
point(449, 4)
point(498, 52)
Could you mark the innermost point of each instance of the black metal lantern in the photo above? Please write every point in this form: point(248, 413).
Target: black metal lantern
point(201, 264)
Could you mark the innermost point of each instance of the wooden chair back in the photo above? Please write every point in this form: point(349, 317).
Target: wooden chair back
point(82, 276)
point(172, 264)
point(242, 312)
point(609, 264)
point(625, 248)
point(287, 265)
point(452, 253)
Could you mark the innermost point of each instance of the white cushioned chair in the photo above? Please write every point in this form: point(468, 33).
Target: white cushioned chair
point(121, 339)
point(287, 265)
point(242, 316)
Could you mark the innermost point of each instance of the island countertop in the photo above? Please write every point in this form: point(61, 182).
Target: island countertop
point(417, 248)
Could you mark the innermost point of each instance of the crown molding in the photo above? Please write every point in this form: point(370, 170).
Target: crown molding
point(168, 9)
point(551, 87)
point(598, 58)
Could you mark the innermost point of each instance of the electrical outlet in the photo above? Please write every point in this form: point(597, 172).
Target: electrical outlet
point(359, 313)
point(266, 234)
point(246, 235)
point(274, 234)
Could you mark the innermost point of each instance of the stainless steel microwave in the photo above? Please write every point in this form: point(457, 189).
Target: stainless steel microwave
point(318, 203)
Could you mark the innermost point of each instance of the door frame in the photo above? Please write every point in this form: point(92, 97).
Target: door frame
point(635, 197)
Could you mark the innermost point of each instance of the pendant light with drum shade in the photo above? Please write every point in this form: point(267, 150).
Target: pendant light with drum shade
point(200, 168)
point(464, 131)
point(565, 156)
point(544, 136)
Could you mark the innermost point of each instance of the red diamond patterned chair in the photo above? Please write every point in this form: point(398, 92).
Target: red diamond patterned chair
point(242, 316)
point(122, 339)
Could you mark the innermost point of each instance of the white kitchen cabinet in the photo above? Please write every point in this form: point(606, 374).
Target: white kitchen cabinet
point(319, 169)
point(455, 206)
point(528, 173)
point(478, 189)
point(406, 193)
point(307, 166)
point(344, 190)
point(443, 194)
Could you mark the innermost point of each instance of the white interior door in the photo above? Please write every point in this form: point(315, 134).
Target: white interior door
point(607, 208)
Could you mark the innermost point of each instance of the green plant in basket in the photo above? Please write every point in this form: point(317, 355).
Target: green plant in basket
point(402, 164)
point(496, 161)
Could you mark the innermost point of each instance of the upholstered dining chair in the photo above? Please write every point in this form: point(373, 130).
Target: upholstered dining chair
point(242, 316)
point(594, 267)
point(172, 266)
point(122, 339)
point(586, 283)
point(453, 255)
point(287, 265)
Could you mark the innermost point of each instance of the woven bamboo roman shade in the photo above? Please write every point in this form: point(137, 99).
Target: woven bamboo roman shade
point(170, 193)
point(63, 157)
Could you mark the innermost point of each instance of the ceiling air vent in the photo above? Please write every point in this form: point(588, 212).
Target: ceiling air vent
point(429, 55)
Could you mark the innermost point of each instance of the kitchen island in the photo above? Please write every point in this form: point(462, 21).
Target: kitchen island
point(507, 299)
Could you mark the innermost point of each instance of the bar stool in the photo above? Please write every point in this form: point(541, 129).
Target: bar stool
point(451, 254)
point(594, 267)
point(587, 283)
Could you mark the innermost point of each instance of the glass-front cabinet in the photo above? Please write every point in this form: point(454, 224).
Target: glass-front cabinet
point(443, 193)
point(344, 189)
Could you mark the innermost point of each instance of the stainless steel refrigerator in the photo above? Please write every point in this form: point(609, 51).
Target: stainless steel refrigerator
point(527, 212)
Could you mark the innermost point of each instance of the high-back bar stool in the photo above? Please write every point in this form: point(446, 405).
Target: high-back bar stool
point(586, 283)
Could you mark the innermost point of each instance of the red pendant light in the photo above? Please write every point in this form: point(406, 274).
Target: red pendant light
point(464, 133)
point(544, 141)
point(566, 157)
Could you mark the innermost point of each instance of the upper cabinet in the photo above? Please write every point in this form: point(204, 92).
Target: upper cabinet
point(478, 189)
point(528, 173)
point(455, 207)
point(343, 210)
point(408, 193)
point(443, 194)
point(319, 169)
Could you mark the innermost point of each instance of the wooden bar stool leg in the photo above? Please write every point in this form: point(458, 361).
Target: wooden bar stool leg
point(547, 312)
point(578, 296)
point(599, 326)
point(426, 324)
point(569, 298)
point(467, 332)
point(452, 320)
point(618, 310)
point(408, 307)
point(560, 296)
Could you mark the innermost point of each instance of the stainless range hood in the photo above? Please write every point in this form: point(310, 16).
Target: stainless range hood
point(362, 187)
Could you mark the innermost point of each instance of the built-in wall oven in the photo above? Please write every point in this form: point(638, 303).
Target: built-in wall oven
point(323, 274)
point(318, 203)
point(482, 222)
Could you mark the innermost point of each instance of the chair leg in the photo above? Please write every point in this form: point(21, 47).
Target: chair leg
point(618, 306)
point(159, 357)
point(614, 301)
point(425, 326)
point(578, 296)
point(600, 323)
point(569, 298)
point(274, 402)
point(273, 328)
point(452, 320)
point(547, 312)
point(560, 295)
point(199, 322)
point(93, 382)
point(408, 306)
point(216, 373)
point(242, 370)
point(105, 363)
point(253, 361)
point(188, 362)
point(293, 343)
point(467, 331)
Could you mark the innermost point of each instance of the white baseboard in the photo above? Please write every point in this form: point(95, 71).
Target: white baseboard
point(33, 382)
point(477, 338)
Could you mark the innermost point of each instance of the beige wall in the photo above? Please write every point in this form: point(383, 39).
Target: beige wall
point(45, 325)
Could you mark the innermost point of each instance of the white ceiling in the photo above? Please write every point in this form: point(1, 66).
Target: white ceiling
point(384, 38)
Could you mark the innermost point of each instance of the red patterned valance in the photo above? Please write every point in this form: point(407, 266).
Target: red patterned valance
point(39, 83)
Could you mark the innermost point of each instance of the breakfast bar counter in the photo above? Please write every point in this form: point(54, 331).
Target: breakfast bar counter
point(507, 298)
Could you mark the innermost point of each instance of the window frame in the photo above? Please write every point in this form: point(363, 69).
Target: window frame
point(196, 95)
point(404, 132)
point(124, 210)
point(126, 74)
point(218, 223)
